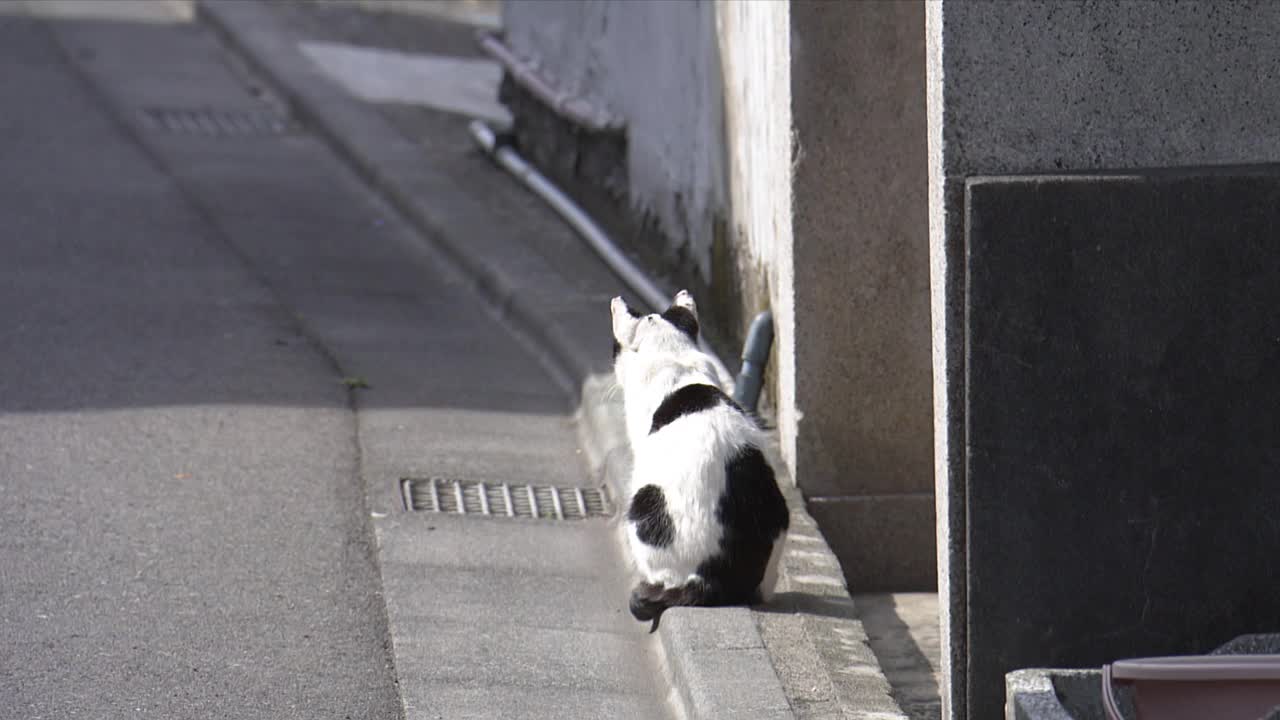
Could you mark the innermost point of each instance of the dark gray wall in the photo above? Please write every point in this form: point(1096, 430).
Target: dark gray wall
point(864, 452)
point(1046, 86)
point(1041, 87)
point(1122, 375)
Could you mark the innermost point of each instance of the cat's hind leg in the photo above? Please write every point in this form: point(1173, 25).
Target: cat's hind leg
point(650, 600)
point(646, 602)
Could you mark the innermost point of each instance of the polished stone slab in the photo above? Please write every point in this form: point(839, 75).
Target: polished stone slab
point(1121, 392)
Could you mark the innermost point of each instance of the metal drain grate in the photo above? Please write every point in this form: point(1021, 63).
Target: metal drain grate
point(469, 497)
point(210, 122)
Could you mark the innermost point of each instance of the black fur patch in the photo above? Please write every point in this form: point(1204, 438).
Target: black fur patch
point(684, 401)
point(754, 515)
point(617, 348)
point(649, 512)
point(683, 319)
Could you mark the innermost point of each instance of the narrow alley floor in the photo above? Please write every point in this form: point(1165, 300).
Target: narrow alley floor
point(221, 354)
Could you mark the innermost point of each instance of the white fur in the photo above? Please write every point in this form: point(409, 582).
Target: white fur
point(685, 458)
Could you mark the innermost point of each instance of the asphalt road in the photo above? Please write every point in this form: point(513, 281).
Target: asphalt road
point(219, 352)
point(183, 532)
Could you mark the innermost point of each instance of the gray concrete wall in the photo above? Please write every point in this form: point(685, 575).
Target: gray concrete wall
point(657, 66)
point(864, 451)
point(1020, 86)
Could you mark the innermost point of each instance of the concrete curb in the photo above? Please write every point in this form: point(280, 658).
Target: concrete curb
point(388, 162)
point(805, 656)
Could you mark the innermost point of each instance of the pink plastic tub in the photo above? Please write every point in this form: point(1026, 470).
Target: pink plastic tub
point(1198, 687)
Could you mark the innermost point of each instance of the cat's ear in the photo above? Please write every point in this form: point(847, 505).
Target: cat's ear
point(684, 300)
point(683, 313)
point(624, 322)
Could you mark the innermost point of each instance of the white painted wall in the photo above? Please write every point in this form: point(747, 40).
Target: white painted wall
point(755, 52)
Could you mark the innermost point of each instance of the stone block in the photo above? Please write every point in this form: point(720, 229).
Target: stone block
point(884, 542)
point(861, 250)
point(1060, 694)
point(1043, 86)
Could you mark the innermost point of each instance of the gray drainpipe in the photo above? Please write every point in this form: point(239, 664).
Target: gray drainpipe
point(755, 358)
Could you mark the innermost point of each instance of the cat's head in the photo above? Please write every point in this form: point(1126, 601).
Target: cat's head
point(673, 330)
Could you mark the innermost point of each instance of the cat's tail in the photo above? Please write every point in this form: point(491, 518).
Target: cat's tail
point(649, 600)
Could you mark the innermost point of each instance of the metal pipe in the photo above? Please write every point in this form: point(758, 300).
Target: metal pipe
point(755, 358)
point(634, 277)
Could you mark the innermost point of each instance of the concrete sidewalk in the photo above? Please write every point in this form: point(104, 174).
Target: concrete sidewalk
point(805, 655)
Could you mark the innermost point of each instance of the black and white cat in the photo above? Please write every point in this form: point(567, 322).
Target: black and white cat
point(705, 521)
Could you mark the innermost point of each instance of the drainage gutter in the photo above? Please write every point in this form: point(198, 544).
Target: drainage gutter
point(609, 252)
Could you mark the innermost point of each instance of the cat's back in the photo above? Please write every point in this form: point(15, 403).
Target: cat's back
point(699, 416)
point(691, 438)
